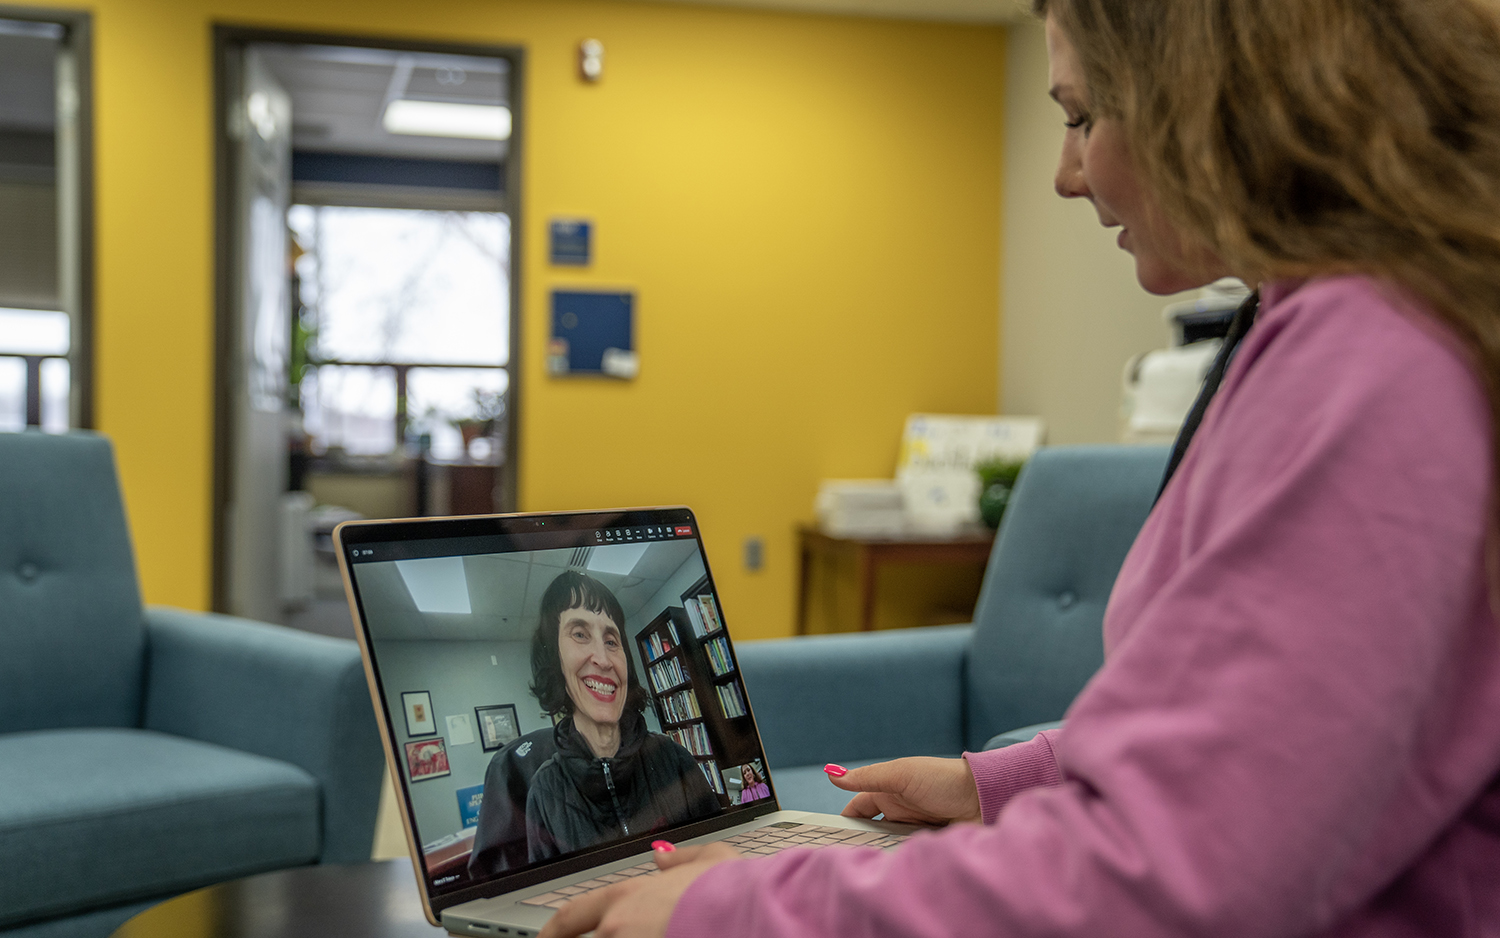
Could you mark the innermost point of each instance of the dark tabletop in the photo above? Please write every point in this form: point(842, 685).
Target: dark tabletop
point(362, 900)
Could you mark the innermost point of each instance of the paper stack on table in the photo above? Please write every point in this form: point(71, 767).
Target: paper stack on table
point(860, 508)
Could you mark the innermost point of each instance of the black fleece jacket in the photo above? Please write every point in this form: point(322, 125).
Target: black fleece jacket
point(577, 800)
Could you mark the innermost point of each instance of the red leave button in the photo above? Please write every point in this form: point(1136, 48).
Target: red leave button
point(684, 530)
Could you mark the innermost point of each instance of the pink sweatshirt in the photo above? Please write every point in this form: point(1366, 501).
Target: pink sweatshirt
point(1297, 727)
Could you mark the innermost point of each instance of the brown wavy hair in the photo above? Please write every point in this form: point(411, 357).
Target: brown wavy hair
point(1296, 138)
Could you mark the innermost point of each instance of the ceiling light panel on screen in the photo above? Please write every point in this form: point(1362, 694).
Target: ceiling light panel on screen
point(616, 558)
point(436, 584)
point(445, 119)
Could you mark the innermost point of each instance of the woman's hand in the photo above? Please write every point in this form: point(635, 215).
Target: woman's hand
point(641, 906)
point(919, 790)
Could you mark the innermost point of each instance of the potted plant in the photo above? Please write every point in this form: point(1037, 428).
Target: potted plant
point(997, 477)
point(489, 407)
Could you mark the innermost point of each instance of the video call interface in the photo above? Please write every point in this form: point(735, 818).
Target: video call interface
point(548, 700)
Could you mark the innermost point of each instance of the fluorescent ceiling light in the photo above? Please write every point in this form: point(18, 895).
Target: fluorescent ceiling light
point(34, 332)
point(437, 584)
point(616, 558)
point(442, 119)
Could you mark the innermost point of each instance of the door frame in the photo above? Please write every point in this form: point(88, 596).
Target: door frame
point(229, 39)
point(76, 221)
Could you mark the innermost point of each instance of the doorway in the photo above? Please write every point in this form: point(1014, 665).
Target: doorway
point(46, 220)
point(366, 308)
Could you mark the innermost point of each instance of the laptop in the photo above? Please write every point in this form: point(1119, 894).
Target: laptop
point(555, 692)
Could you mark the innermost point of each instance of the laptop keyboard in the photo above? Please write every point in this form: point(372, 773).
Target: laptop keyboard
point(762, 841)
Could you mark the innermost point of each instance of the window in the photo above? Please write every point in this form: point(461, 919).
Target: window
point(44, 228)
point(403, 331)
point(34, 373)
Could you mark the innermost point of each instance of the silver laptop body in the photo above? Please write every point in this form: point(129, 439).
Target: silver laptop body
point(492, 729)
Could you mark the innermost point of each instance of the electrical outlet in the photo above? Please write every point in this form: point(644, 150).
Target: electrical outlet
point(755, 553)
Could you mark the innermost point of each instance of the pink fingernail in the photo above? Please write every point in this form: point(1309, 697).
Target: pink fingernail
point(663, 846)
point(837, 771)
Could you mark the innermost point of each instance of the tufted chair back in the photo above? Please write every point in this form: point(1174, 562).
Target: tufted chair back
point(71, 630)
point(1037, 639)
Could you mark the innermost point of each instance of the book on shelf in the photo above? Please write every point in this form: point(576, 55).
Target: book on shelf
point(665, 674)
point(710, 610)
point(731, 700)
point(695, 616)
point(657, 646)
point(718, 656)
point(681, 706)
point(711, 772)
point(693, 738)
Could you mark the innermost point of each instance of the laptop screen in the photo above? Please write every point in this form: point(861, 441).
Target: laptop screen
point(553, 686)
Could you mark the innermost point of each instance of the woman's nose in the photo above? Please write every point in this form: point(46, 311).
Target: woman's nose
point(1069, 182)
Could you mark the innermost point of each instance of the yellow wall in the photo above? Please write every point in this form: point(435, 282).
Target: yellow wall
point(808, 207)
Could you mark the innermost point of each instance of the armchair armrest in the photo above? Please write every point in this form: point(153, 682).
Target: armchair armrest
point(278, 693)
point(864, 696)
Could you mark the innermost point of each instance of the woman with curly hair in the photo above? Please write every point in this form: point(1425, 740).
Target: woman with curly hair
point(1296, 730)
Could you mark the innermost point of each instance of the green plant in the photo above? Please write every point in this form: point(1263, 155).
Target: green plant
point(1001, 471)
point(996, 479)
point(489, 406)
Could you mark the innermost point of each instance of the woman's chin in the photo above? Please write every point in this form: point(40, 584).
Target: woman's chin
point(601, 716)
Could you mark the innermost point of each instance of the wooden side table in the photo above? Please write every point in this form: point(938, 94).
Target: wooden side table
point(968, 546)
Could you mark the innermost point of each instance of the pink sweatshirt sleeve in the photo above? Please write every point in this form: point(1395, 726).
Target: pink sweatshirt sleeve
point(1301, 697)
point(1001, 774)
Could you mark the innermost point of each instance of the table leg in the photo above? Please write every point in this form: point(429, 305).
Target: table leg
point(866, 589)
point(804, 571)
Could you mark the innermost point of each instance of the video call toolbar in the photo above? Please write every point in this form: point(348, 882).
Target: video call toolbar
point(648, 532)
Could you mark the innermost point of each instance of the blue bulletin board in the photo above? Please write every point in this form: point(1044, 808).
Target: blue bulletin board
point(593, 333)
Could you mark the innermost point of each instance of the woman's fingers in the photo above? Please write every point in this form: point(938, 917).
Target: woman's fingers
point(919, 789)
point(882, 776)
point(583, 914)
point(862, 805)
point(641, 906)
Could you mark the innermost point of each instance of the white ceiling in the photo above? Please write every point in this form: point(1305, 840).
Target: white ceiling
point(505, 593)
point(339, 94)
point(963, 11)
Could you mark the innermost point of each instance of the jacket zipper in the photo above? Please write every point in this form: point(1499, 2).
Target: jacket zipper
point(609, 782)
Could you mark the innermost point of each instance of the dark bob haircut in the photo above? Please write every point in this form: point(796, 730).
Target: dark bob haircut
point(574, 590)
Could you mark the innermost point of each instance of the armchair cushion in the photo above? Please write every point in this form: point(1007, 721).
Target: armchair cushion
point(98, 817)
point(278, 693)
point(842, 698)
point(71, 638)
point(1037, 640)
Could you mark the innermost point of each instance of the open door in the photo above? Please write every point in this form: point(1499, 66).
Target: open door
point(365, 298)
point(260, 128)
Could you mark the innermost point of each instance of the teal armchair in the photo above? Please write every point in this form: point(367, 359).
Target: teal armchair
point(1035, 641)
point(146, 752)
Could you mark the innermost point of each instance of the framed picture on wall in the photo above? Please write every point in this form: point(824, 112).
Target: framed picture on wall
point(497, 726)
point(419, 718)
point(426, 758)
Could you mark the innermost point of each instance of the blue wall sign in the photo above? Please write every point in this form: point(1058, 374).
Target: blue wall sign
point(572, 242)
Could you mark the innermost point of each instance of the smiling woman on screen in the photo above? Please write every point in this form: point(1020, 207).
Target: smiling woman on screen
point(610, 777)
